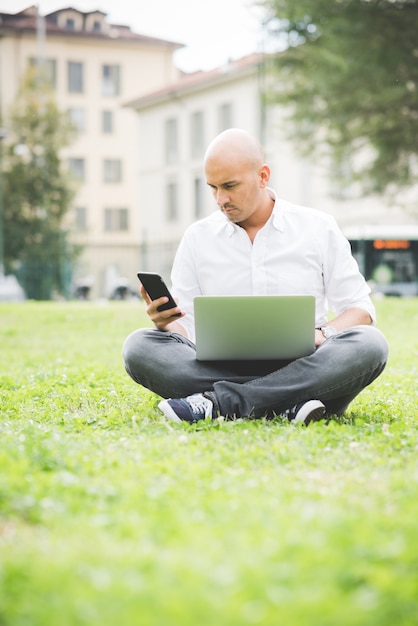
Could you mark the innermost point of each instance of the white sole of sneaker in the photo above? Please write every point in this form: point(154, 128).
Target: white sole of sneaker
point(311, 411)
point(168, 412)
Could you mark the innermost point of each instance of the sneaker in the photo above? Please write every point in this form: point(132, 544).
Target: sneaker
point(305, 412)
point(190, 409)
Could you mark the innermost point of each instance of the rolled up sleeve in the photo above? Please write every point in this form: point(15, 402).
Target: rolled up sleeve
point(344, 284)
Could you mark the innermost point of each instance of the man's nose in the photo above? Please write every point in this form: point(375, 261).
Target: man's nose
point(221, 197)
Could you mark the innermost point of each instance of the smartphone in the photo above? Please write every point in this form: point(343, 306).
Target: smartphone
point(156, 288)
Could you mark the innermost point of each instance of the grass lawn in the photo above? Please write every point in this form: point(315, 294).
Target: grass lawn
point(109, 516)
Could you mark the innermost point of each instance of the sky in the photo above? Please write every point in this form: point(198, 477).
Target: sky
point(212, 31)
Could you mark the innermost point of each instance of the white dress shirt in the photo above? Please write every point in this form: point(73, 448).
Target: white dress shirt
point(299, 251)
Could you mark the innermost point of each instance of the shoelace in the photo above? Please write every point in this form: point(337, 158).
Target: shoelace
point(289, 413)
point(197, 404)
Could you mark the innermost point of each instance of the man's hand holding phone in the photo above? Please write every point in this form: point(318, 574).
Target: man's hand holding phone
point(161, 306)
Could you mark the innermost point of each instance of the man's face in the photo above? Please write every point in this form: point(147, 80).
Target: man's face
point(236, 187)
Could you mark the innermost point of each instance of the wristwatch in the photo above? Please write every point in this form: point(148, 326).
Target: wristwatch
point(328, 331)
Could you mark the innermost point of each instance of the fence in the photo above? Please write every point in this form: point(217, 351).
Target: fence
point(41, 280)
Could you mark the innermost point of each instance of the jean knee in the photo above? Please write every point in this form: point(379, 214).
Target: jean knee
point(371, 350)
point(378, 344)
point(135, 347)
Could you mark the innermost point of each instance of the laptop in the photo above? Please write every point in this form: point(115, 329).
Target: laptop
point(232, 328)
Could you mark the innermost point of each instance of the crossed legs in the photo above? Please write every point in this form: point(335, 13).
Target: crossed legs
point(335, 373)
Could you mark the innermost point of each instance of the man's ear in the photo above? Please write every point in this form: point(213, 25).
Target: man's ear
point(264, 175)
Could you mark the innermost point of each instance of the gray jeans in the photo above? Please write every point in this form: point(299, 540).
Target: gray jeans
point(335, 373)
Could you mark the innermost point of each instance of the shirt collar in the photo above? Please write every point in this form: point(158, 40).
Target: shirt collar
point(276, 218)
point(277, 214)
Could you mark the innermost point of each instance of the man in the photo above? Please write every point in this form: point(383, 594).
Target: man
point(258, 244)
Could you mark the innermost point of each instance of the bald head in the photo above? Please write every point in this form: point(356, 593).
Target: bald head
point(238, 177)
point(236, 144)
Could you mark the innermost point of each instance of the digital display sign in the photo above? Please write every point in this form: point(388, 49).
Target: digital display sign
point(391, 244)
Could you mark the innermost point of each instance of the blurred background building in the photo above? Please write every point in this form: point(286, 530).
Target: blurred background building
point(94, 68)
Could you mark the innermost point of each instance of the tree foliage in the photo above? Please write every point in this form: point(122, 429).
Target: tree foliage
point(350, 77)
point(37, 192)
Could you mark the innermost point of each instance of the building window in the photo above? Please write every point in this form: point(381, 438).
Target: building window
point(77, 168)
point(107, 121)
point(69, 23)
point(97, 27)
point(197, 134)
point(78, 118)
point(171, 141)
point(47, 69)
point(115, 220)
point(112, 170)
point(110, 80)
point(75, 77)
point(80, 219)
point(225, 116)
point(199, 197)
point(172, 202)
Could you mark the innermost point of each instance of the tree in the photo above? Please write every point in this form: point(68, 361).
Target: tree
point(350, 78)
point(37, 191)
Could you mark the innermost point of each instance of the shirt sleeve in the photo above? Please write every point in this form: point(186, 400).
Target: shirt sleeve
point(345, 286)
